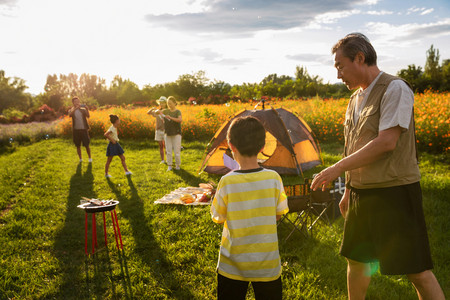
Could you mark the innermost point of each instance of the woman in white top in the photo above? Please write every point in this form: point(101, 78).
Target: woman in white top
point(114, 148)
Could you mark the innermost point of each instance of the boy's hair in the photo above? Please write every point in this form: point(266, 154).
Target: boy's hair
point(113, 118)
point(247, 134)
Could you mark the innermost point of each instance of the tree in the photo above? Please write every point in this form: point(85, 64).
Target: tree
point(91, 86)
point(126, 91)
point(414, 76)
point(191, 85)
point(445, 70)
point(12, 93)
point(273, 78)
point(432, 70)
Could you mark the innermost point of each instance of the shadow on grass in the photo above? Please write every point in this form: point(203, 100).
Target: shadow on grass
point(147, 247)
point(100, 262)
point(189, 178)
point(96, 278)
point(69, 243)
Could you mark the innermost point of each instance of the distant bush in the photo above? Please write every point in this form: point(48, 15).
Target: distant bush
point(200, 122)
point(18, 134)
point(13, 113)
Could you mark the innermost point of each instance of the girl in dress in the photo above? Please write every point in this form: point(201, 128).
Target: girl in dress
point(114, 147)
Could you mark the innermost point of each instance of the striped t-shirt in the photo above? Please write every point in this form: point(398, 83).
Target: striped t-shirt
point(248, 201)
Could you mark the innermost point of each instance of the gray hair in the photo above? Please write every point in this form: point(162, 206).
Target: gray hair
point(356, 42)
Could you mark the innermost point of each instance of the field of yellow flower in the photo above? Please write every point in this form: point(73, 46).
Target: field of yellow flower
point(325, 117)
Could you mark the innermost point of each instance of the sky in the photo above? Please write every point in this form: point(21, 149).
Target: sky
point(235, 41)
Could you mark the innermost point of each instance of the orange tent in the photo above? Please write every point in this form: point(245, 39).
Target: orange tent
point(290, 147)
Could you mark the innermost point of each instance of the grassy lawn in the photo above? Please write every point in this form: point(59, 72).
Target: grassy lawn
point(170, 252)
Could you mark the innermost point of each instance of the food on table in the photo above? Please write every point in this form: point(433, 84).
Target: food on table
point(187, 198)
point(206, 197)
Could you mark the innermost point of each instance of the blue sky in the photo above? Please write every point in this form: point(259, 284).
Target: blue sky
point(236, 41)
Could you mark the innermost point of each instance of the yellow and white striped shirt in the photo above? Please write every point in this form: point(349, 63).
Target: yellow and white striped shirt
point(248, 201)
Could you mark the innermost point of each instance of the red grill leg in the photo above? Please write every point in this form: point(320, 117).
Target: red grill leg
point(115, 232)
point(104, 229)
point(85, 233)
point(94, 236)
point(118, 229)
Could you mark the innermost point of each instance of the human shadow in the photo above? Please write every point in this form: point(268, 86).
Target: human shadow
point(99, 265)
point(189, 178)
point(69, 242)
point(83, 276)
point(147, 247)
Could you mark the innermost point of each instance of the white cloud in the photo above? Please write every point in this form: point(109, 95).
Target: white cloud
point(421, 10)
point(426, 12)
point(7, 2)
point(410, 31)
point(243, 17)
point(311, 58)
point(371, 2)
point(379, 13)
point(333, 17)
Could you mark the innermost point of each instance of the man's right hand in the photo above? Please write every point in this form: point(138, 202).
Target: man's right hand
point(344, 203)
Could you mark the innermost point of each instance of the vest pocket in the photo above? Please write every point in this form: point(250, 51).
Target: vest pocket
point(369, 120)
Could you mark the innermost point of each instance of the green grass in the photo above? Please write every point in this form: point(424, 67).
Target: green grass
point(170, 252)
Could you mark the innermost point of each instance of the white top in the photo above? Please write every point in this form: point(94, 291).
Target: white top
point(396, 105)
point(113, 131)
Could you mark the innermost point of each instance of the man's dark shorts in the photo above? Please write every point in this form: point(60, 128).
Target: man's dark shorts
point(81, 136)
point(387, 225)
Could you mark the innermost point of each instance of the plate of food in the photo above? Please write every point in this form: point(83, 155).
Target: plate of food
point(97, 205)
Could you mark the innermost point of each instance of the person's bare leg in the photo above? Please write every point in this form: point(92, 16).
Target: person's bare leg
point(79, 152)
point(161, 149)
point(108, 162)
point(426, 285)
point(124, 164)
point(358, 279)
point(88, 151)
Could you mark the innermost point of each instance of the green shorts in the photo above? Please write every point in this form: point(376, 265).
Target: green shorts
point(387, 226)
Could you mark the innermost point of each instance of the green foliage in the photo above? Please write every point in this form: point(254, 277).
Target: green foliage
point(433, 77)
point(170, 252)
point(12, 112)
point(12, 93)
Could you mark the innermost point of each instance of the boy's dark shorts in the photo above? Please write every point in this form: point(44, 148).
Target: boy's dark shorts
point(387, 225)
point(81, 136)
point(230, 289)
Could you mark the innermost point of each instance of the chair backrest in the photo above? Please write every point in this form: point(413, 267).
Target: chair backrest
point(298, 196)
point(320, 196)
point(298, 203)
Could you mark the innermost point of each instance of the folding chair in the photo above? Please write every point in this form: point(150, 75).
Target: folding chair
point(323, 201)
point(299, 205)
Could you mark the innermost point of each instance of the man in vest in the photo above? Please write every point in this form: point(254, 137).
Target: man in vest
point(80, 126)
point(382, 204)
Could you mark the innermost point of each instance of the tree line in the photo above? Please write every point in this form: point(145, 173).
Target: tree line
point(94, 91)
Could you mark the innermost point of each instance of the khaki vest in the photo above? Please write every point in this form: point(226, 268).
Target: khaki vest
point(395, 168)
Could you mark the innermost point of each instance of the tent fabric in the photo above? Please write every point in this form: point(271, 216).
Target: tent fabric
point(290, 147)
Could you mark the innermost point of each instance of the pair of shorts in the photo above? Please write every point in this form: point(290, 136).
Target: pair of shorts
point(114, 149)
point(387, 226)
point(159, 135)
point(237, 289)
point(81, 136)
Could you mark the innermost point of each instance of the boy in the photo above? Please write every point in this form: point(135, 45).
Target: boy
point(249, 201)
